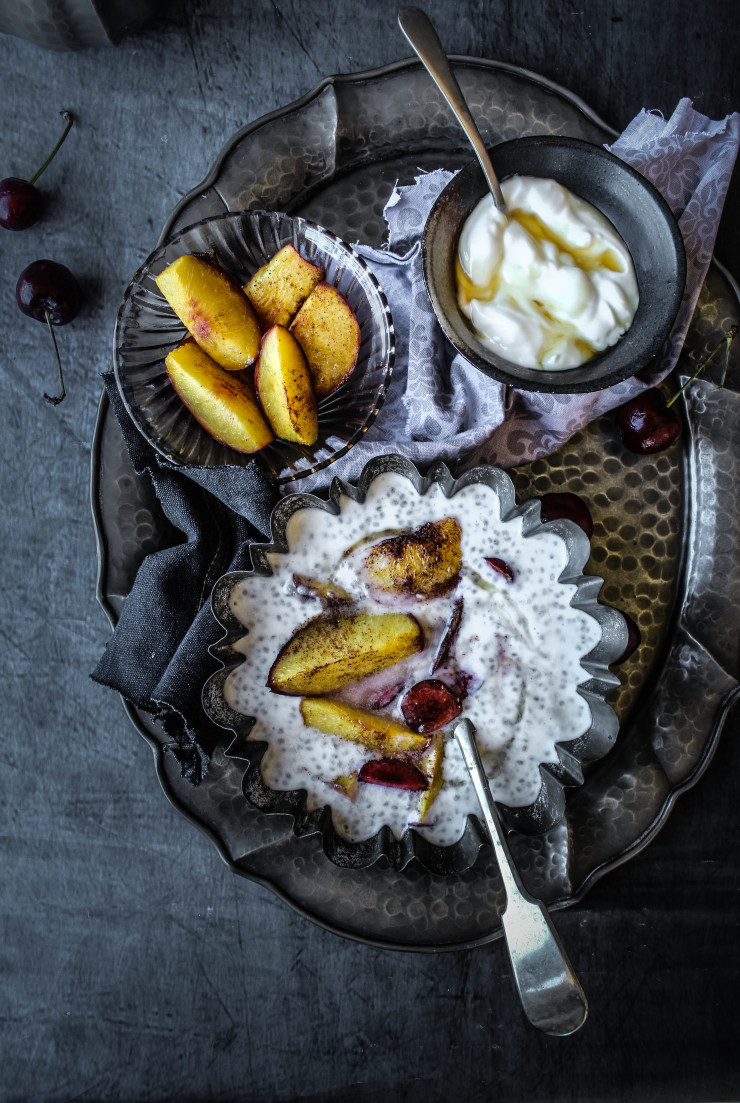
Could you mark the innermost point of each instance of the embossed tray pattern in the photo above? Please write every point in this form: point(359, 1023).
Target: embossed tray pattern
point(667, 527)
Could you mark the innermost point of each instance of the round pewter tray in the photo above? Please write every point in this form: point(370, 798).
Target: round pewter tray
point(547, 810)
point(667, 528)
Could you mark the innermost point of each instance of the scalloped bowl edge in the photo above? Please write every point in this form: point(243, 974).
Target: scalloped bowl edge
point(549, 806)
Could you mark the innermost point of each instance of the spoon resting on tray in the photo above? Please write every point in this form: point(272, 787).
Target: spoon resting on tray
point(552, 998)
point(424, 41)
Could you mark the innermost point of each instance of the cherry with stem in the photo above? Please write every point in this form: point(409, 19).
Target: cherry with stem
point(21, 201)
point(647, 423)
point(48, 292)
point(54, 400)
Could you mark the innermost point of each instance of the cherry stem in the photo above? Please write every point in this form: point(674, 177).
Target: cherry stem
point(727, 340)
point(56, 399)
point(731, 334)
point(68, 120)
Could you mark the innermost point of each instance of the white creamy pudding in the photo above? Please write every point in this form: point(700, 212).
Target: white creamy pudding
point(514, 664)
point(549, 286)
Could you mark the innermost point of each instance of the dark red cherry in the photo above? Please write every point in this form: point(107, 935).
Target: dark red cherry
point(500, 566)
point(634, 639)
point(430, 705)
point(646, 424)
point(48, 292)
point(393, 773)
point(21, 203)
point(568, 506)
point(46, 287)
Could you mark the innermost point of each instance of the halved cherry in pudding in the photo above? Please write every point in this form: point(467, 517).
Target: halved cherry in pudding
point(430, 705)
point(500, 566)
point(394, 773)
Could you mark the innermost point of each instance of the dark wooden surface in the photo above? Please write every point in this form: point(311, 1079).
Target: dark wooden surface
point(135, 965)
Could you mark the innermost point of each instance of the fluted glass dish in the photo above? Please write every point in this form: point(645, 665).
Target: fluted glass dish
point(147, 328)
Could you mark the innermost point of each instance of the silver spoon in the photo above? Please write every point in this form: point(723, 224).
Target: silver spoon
point(424, 41)
point(552, 998)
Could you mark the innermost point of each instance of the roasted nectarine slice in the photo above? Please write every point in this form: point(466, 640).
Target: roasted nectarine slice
point(284, 388)
point(346, 784)
point(330, 652)
point(378, 733)
point(214, 309)
point(432, 765)
point(425, 563)
point(327, 331)
point(280, 287)
point(221, 401)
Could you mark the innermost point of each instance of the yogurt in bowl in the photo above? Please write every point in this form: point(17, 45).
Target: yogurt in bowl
point(554, 271)
point(549, 285)
point(513, 633)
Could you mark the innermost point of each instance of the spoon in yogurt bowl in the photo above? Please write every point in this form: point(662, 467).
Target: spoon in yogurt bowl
point(551, 996)
point(425, 42)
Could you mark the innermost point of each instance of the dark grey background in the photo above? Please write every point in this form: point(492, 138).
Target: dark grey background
point(135, 966)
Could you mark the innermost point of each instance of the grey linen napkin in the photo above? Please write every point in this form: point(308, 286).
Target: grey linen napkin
point(438, 405)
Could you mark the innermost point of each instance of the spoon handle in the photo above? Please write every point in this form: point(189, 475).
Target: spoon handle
point(425, 43)
point(552, 998)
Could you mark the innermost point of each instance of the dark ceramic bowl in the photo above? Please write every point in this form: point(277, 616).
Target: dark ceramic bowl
point(636, 210)
point(536, 818)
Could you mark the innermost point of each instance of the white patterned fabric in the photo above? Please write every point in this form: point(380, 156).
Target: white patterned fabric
point(440, 406)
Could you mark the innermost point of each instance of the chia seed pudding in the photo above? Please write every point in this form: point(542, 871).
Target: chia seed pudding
point(515, 664)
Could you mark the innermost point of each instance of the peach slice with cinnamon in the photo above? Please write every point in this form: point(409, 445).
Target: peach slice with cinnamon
point(425, 563)
point(214, 310)
point(346, 784)
point(284, 388)
point(371, 729)
point(222, 402)
point(432, 766)
point(326, 329)
point(279, 288)
point(328, 653)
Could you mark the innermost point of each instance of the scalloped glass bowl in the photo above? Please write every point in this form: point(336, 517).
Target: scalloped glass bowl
point(146, 329)
point(549, 805)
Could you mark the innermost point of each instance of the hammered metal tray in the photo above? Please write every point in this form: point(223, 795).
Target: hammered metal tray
point(666, 537)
